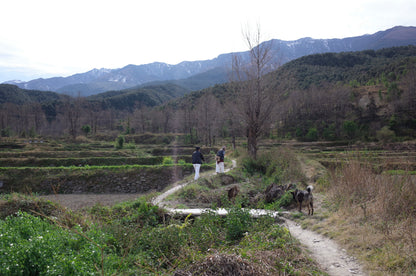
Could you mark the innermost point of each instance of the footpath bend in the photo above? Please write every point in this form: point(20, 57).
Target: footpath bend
point(332, 258)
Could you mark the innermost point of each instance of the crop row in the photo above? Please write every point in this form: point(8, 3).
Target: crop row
point(87, 161)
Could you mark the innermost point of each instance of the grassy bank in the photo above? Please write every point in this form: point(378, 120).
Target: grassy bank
point(138, 238)
point(372, 215)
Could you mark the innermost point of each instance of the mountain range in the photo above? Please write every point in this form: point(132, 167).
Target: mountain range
point(194, 75)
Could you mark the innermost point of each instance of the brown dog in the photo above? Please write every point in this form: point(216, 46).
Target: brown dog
point(305, 197)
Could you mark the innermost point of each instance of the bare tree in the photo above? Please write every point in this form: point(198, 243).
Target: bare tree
point(93, 113)
point(207, 107)
point(253, 91)
point(72, 110)
point(140, 119)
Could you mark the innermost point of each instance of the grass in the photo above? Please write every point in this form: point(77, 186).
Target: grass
point(372, 216)
point(136, 238)
point(369, 213)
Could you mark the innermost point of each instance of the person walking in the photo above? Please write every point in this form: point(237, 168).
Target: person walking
point(219, 168)
point(197, 159)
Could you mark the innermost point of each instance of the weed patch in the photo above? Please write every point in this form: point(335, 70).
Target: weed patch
point(138, 238)
point(382, 207)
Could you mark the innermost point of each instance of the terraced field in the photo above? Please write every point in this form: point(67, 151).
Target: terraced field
point(49, 167)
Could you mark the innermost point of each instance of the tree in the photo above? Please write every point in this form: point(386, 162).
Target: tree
point(350, 128)
point(208, 112)
point(252, 89)
point(72, 112)
point(86, 129)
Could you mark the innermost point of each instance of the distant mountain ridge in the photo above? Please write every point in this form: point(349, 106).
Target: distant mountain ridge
point(102, 80)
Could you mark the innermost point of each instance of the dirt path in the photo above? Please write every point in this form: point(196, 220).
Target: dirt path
point(334, 260)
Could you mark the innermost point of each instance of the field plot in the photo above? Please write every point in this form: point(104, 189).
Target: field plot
point(365, 196)
point(124, 234)
point(49, 167)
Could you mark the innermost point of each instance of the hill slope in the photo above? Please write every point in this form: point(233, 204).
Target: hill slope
point(339, 95)
point(359, 67)
point(129, 99)
point(15, 95)
point(96, 81)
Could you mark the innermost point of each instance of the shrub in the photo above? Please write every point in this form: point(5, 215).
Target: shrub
point(279, 165)
point(237, 223)
point(385, 135)
point(350, 128)
point(34, 246)
point(192, 191)
point(285, 200)
point(161, 245)
point(211, 225)
point(138, 213)
point(120, 142)
point(86, 129)
point(329, 133)
point(167, 160)
point(312, 134)
point(252, 166)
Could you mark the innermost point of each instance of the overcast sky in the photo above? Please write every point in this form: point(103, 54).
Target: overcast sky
point(45, 38)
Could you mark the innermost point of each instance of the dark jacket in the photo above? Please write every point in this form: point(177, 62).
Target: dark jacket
point(197, 157)
point(221, 154)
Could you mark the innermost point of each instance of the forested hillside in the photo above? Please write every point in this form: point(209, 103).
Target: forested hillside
point(366, 95)
point(359, 68)
point(15, 95)
point(337, 95)
point(349, 95)
point(147, 96)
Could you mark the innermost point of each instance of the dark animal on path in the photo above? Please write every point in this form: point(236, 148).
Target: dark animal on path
point(304, 197)
point(232, 193)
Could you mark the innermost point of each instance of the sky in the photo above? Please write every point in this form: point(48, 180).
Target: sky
point(46, 38)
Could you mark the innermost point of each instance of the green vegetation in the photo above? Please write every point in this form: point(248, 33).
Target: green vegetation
point(35, 246)
point(152, 95)
point(333, 104)
point(134, 238)
point(120, 142)
point(139, 238)
point(352, 68)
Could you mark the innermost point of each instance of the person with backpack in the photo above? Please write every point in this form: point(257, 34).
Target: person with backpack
point(197, 159)
point(219, 168)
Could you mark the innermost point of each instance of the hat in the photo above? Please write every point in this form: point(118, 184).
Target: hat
point(197, 148)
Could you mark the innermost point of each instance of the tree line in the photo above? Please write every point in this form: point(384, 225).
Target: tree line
point(254, 104)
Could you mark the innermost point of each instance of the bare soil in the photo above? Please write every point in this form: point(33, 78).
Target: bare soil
point(81, 201)
point(333, 259)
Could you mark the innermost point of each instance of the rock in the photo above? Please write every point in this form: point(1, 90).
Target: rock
point(233, 192)
point(226, 179)
point(274, 191)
